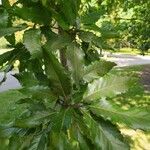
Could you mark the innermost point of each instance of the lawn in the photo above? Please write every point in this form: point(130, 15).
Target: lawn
point(131, 51)
point(137, 96)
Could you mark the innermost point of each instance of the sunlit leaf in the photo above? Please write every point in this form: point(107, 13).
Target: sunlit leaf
point(108, 86)
point(32, 41)
point(97, 69)
point(102, 135)
point(134, 118)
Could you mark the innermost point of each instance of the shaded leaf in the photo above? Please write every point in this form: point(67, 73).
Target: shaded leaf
point(6, 3)
point(39, 142)
point(33, 120)
point(87, 36)
point(62, 23)
point(14, 143)
point(70, 10)
point(109, 34)
point(6, 132)
point(101, 43)
point(34, 14)
point(27, 79)
point(92, 16)
point(79, 141)
point(5, 57)
point(9, 111)
point(62, 120)
point(75, 57)
point(4, 18)
point(4, 143)
point(67, 14)
point(9, 30)
point(55, 42)
point(59, 141)
point(59, 79)
point(39, 92)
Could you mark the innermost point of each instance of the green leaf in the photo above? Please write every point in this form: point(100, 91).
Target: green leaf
point(39, 92)
point(59, 141)
point(27, 79)
point(92, 16)
point(108, 86)
point(36, 14)
point(103, 136)
point(9, 111)
point(44, 2)
point(78, 140)
point(67, 14)
point(6, 3)
point(6, 22)
point(91, 27)
point(70, 10)
point(34, 120)
point(55, 42)
point(32, 41)
point(86, 36)
point(75, 57)
point(101, 43)
point(62, 120)
point(4, 143)
point(97, 69)
point(109, 34)
point(4, 18)
point(136, 118)
point(90, 37)
point(14, 143)
point(108, 30)
point(5, 57)
point(6, 132)
point(10, 30)
point(62, 23)
point(19, 140)
point(59, 80)
point(39, 142)
point(11, 39)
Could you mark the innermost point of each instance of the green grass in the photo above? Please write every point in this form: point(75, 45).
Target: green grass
point(135, 97)
point(131, 51)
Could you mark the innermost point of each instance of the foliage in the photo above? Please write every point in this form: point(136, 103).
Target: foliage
point(132, 21)
point(66, 85)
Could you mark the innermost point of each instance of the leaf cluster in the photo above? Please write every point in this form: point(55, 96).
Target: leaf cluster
point(65, 82)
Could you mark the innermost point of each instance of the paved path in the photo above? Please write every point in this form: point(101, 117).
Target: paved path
point(10, 83)
point(120, 59)
point(127, 60)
